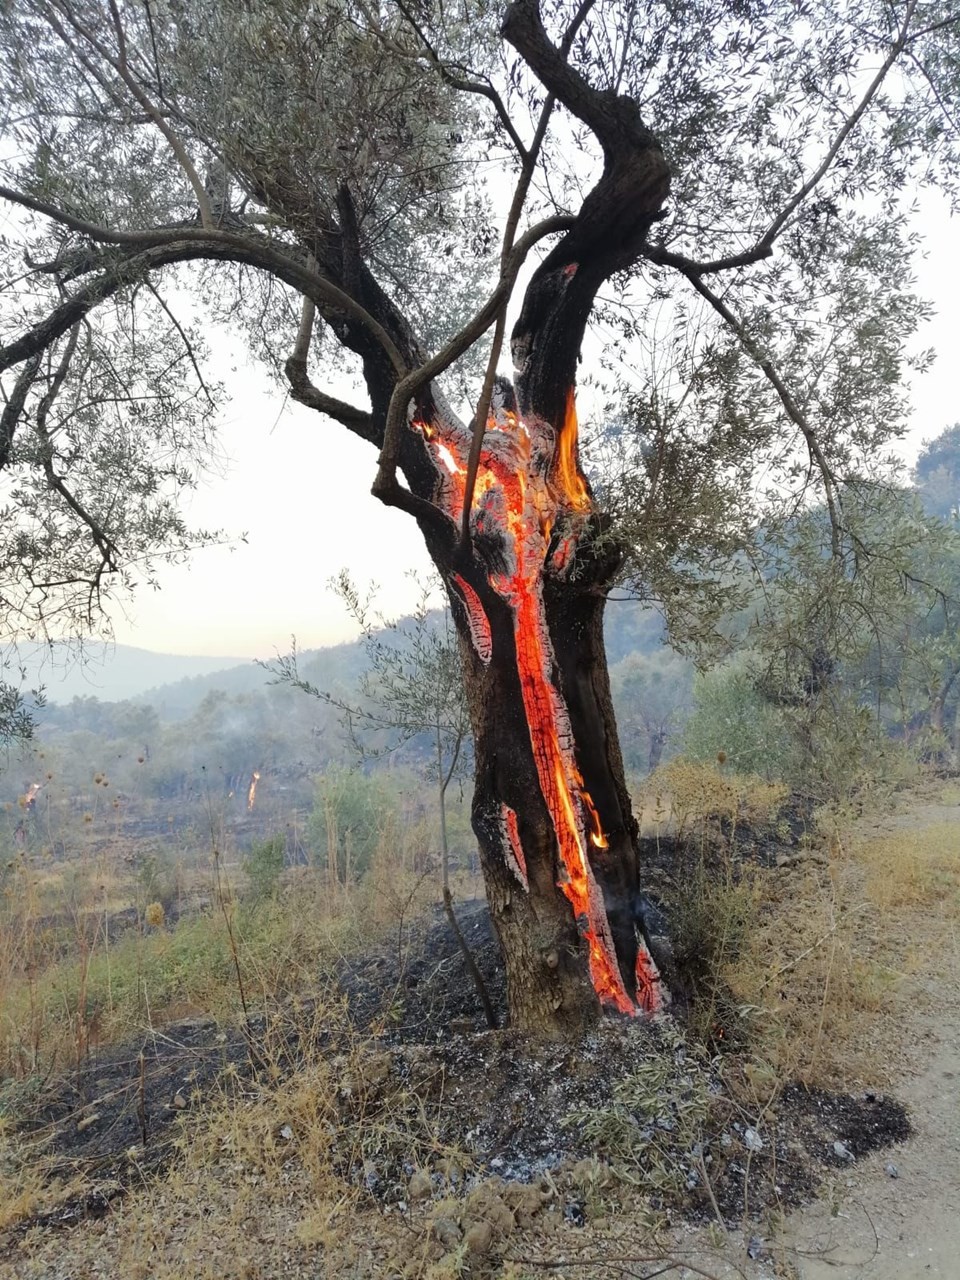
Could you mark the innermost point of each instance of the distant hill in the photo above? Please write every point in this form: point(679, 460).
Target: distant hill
point(337, 666)
point(175, 685)
point(112, 673)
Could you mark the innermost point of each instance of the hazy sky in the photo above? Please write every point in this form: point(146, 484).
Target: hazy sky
point(299, 486)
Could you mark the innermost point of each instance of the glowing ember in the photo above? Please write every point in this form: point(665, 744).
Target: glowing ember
point(518, 863)
point(649, 990)
point(252, 793)
point(477, 619)
point(529, 485)
point(30, 799)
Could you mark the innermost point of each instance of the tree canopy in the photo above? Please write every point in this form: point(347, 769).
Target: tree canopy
point(392, 165)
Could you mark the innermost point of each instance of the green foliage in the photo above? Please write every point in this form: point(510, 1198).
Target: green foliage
point(17, 722)
point(732, 720)
point(851, 635)
point(352, 812)
point(263, 865)
point(155, 880)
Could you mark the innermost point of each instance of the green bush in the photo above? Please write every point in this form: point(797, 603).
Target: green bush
point(351, 812)
point(733, 721)
point(263, 865)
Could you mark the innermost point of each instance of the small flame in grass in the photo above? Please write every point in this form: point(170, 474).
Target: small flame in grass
point(30, 799)
point(252, 793)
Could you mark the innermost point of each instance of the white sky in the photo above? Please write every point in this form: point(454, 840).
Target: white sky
point(298, 485)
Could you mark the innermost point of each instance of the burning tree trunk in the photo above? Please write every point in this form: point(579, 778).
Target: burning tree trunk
point(551, 811)
point(527, 576)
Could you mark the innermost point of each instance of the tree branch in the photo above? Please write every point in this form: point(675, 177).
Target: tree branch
point(510, 230)
point(408, 386)
point(109, 552)
point(120, 65)
point(607, 235)
point(478, 87)
point(14, 406)
point(793, 410)
point(162, 245)
point(663, 257)
point(359, 421)
point(486, 392)
point(187, 344)
point(608, 115)
point(851, 122)
point(763, 248)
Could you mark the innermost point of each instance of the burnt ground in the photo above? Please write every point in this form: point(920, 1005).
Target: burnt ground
point(633, 1098)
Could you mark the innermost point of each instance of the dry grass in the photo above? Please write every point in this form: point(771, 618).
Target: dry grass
point(73, 979)
point(69, 986)
point(268, 1178)
point(803, 968)
point(912, 868)
point(837, 950)
point(684, 795)
point(815, 959)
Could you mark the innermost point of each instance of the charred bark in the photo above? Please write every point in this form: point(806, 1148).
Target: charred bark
point(527, 566)
point(557, 838)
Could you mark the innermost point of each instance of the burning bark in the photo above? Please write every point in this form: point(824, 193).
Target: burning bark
point(530, 506)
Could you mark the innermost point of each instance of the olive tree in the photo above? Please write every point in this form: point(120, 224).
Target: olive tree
point(360, 187)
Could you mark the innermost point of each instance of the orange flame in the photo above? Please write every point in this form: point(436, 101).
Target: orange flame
point(252, 793)
point(29, 800)
point(597, 838)
point(528, 477)
point(567, 473)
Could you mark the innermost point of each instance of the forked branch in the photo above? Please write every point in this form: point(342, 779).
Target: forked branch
point(385, 486)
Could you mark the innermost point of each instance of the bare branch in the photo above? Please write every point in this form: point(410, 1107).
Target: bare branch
point(793, 410)
point(303, 390)
point(359, 421)
point(480, 424)
point(187, 344)
point(513, 219)
point(666, 258)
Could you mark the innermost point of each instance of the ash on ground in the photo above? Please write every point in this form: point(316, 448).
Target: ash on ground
point(633, 1104)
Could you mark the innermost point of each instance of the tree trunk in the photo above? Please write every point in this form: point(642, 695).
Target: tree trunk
point(567, 932)
point(551, 810)
point(528, 582)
